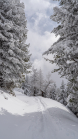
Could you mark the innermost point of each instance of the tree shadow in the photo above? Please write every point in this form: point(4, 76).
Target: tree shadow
point(53, 123)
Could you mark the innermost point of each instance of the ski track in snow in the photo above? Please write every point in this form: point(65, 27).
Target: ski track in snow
point(50, 124)
point(40, 118)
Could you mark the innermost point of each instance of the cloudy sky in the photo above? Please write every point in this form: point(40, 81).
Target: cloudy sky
point(40, 25)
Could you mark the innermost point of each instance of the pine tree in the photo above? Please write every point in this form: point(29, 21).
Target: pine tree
point(72, 101)
point(34, 81)
point(33, 84)
point(26, 86)
point(53, 92)
point(47, 86)
point(62, 96)
point(57, 94)
point(14, 54)
point(65, 50)
point(68, 89)
point(40, 82)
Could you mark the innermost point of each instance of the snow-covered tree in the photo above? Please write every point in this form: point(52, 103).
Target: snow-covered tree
point(65, 50)
point(53, 92)
point(62, 96)
point(57, 93)
point(72, 101)
point(68, 89)
point(33, 84)
point(47, 86)
point(40, 82)
point(14, 54)
point(26, 86)
point(34, 81)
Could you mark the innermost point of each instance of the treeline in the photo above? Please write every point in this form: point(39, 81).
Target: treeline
point(36, 85)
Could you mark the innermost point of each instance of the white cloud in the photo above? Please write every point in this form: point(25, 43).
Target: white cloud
point(40, 44)
point(38, 16)
point(37, 5)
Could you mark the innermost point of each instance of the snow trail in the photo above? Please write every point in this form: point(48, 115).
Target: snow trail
point(35, 118)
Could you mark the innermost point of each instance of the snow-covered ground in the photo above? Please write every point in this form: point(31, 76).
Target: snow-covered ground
point(23, 117)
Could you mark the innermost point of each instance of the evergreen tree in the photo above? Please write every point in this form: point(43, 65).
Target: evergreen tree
point(68, 89)
point(72, 101)
point(26, 86)
point(62, 95)
point(33, 84)
point(14, 54)
point(47, 86)
point(53, 92)
point(40, 82)
point(65, 50)
point(57, 93)
point(34, 81)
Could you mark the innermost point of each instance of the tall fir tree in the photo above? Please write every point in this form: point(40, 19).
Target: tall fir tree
point(14, 54)
point(62, 95)
point(65, 50)
point(40, 82)
point(53, 92)
point(26, 86)
point(34, 81)
point(47, 86)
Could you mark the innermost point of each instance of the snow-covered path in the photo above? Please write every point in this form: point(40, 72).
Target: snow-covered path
point(35, 118)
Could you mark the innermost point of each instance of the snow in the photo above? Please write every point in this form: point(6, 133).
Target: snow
point(24, 117)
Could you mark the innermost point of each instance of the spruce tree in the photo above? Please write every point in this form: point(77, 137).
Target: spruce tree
point(65, 50)
point(47, 86)
point(53, 92)
point(14, 54)
point(26, 86)
point(34, 81)
point(62, 97)
point(40, 82)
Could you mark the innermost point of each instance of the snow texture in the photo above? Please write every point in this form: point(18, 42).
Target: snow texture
point(14, 53)
point(24, 117)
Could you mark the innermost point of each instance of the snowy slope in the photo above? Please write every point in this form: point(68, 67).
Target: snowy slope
point(23, 117)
